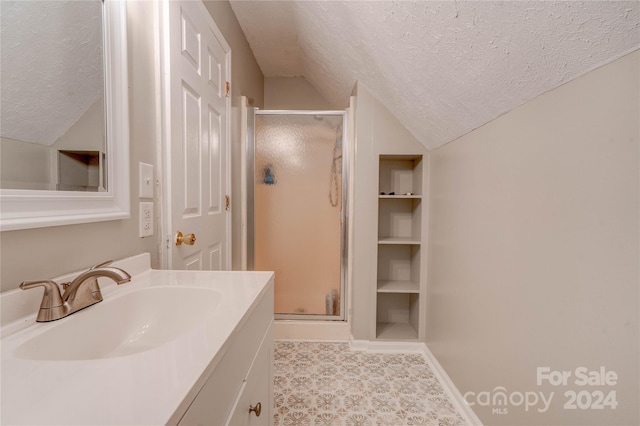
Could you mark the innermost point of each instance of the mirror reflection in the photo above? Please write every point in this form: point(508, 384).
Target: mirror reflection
point(52, 130)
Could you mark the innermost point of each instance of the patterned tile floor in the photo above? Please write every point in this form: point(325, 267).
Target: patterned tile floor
point(321, 383)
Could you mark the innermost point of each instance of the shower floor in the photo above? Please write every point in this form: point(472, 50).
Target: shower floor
point(326, 383)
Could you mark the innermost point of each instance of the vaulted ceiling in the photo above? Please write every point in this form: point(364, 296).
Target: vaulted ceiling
point(443, 68)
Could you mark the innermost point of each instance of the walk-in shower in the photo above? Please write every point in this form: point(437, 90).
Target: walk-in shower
point(296, 209)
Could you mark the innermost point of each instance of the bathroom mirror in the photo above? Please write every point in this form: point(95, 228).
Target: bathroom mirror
point(65, 126)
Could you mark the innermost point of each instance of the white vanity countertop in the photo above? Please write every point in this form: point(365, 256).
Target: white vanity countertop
point(153, 387)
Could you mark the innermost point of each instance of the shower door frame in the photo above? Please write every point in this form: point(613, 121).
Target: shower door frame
point(344, 212)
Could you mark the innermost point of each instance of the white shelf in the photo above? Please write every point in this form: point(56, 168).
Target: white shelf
point(395, 197)
point(406, 157)
point(398, 287)
point(395, 331)
point(399, 240)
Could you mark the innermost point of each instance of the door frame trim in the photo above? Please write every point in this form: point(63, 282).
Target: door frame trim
point(163, 131)
point(250, 193)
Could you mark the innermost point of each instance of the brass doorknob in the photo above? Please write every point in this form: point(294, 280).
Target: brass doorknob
point(188, 239)
point(257, 409)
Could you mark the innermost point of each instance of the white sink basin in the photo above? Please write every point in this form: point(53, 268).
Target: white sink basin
point(134, 322)
point(137, 358)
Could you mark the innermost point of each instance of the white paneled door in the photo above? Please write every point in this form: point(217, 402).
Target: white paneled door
point(196, 69)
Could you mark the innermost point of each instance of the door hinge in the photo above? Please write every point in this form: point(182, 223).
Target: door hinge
point(227, 202)
point(227, 89)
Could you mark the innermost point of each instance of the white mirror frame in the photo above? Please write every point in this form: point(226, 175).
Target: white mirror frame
point(24, 209)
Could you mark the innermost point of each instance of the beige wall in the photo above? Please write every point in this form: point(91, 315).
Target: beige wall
point(533, 254)
point(17, 173)
point(293, 93)
point(377, 132)
point(48, 252)
point(246, 80)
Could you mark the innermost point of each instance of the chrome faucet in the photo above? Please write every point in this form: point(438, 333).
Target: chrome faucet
point(78, 294)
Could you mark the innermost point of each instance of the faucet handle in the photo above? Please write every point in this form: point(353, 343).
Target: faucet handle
point(51, 297)
point(52, 307)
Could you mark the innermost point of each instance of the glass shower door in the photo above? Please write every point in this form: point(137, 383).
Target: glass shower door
point(298, 211)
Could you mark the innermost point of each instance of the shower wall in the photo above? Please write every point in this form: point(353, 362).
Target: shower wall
point(297, 209)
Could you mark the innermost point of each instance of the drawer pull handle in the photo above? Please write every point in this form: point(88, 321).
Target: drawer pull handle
point(257, 409)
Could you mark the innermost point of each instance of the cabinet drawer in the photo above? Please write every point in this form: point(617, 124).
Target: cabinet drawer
point(256, 389)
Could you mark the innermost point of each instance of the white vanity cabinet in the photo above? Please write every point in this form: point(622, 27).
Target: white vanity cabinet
point(243, 378)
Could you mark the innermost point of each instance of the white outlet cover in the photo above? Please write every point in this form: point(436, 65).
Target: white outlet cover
point(146, 219)
point(145, 182)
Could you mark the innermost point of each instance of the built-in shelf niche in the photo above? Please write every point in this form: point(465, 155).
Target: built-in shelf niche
point(81, 170)
point(400, 174)
point(400, 211)
point(399, 268)
point(397, 316)
point(399, 220)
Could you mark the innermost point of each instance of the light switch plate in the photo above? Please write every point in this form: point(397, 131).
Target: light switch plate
point(145, 180)
point(146, 219)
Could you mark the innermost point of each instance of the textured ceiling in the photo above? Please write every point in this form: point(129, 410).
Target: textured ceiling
point(443, 68)
point(51, 62)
